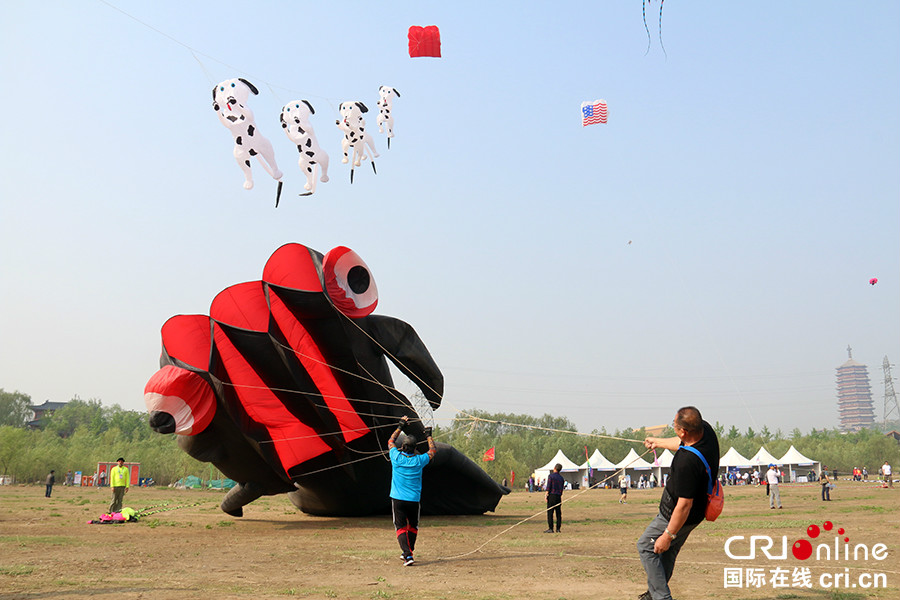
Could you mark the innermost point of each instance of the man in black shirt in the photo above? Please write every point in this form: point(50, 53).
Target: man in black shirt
point(683, 503)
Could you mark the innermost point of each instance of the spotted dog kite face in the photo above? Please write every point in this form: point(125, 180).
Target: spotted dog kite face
point(352, 115)
point(230, 101)
point(296, 112)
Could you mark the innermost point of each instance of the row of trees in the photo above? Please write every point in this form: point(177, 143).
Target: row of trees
point(523, 443)
point(84, 432)
point(79, 435)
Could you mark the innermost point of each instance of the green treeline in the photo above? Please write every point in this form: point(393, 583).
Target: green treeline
point(84, 432)
point(81, 434)
point(523, 449)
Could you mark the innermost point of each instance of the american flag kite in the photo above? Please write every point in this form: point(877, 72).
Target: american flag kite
point(593, 112)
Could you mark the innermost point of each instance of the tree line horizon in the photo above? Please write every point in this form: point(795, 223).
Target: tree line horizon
point(84, 432)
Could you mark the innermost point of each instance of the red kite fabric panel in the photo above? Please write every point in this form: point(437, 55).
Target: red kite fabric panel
point(424, 41)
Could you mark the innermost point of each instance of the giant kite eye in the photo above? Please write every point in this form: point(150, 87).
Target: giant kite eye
point(179, 401)
point(349, 283)
point(232, 84)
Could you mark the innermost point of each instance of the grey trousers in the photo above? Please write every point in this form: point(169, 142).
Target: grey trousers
point(774, 495)
point(659, 567)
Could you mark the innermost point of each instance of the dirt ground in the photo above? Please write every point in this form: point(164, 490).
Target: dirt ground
point(47, 549)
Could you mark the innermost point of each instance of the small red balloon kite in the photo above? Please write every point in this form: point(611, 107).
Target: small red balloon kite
point(424, 41)
point(873, 281)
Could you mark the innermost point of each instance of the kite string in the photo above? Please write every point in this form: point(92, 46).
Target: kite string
point(470, 416)
point(331, 101)
point(543, 511)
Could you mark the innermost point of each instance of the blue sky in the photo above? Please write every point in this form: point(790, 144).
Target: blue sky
point(754, 167)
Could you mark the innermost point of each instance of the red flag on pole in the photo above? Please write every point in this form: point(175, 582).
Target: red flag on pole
point(512, 478)
point(489, 455)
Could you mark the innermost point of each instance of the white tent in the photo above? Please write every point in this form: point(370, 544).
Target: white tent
point(633, 461)
point(662, 465)
point(664, 459)
point(763, 458)
point(733, 458)
point(793, 457)
point(597, 462)
point(570, 470)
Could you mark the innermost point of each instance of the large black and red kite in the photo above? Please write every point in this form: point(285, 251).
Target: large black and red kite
point(285, 388)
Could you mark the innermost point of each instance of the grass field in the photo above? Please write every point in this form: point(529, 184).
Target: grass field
point(47, 549)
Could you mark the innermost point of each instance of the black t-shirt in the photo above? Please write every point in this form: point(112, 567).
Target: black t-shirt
point(688, 479)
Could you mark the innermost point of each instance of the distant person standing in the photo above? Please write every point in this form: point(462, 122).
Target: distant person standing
point(623, 489)
point(51, 479)
point(120, 480)
point(772, 482)
point(886, 474)
point(555, 486)
point(826, 488)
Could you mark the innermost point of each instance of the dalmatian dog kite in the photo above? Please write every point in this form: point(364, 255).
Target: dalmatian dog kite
point(230, 103)
point(353, 125)
point(385, 106)
point(295, 120)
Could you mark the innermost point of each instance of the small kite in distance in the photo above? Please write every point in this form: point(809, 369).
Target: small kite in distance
point(424, 41)
point(873, 281)
point(593, 112)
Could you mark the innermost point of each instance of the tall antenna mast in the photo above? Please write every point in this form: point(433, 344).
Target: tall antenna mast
point(891, 408)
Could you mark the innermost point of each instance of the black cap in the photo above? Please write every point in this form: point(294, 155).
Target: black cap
point(120, 458)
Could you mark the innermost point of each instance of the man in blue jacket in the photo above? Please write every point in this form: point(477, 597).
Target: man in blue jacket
point(406, 487)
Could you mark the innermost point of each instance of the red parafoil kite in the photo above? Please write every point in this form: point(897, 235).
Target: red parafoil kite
point(873, 281)
point(424, 41)
point(285, 387)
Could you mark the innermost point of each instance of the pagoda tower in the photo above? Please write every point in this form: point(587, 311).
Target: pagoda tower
point(854, 395)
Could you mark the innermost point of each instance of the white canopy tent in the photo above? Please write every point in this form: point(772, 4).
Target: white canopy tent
point(733, 458)
point(570, 470)
point(762, 458)
point(633, 463)
point(662, 465)
point(597, 462)
point(793, 458)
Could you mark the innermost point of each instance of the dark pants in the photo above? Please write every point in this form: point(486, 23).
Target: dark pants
point(826, 492)
point(554, 505)
point(49, 489)
point(406, 522)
